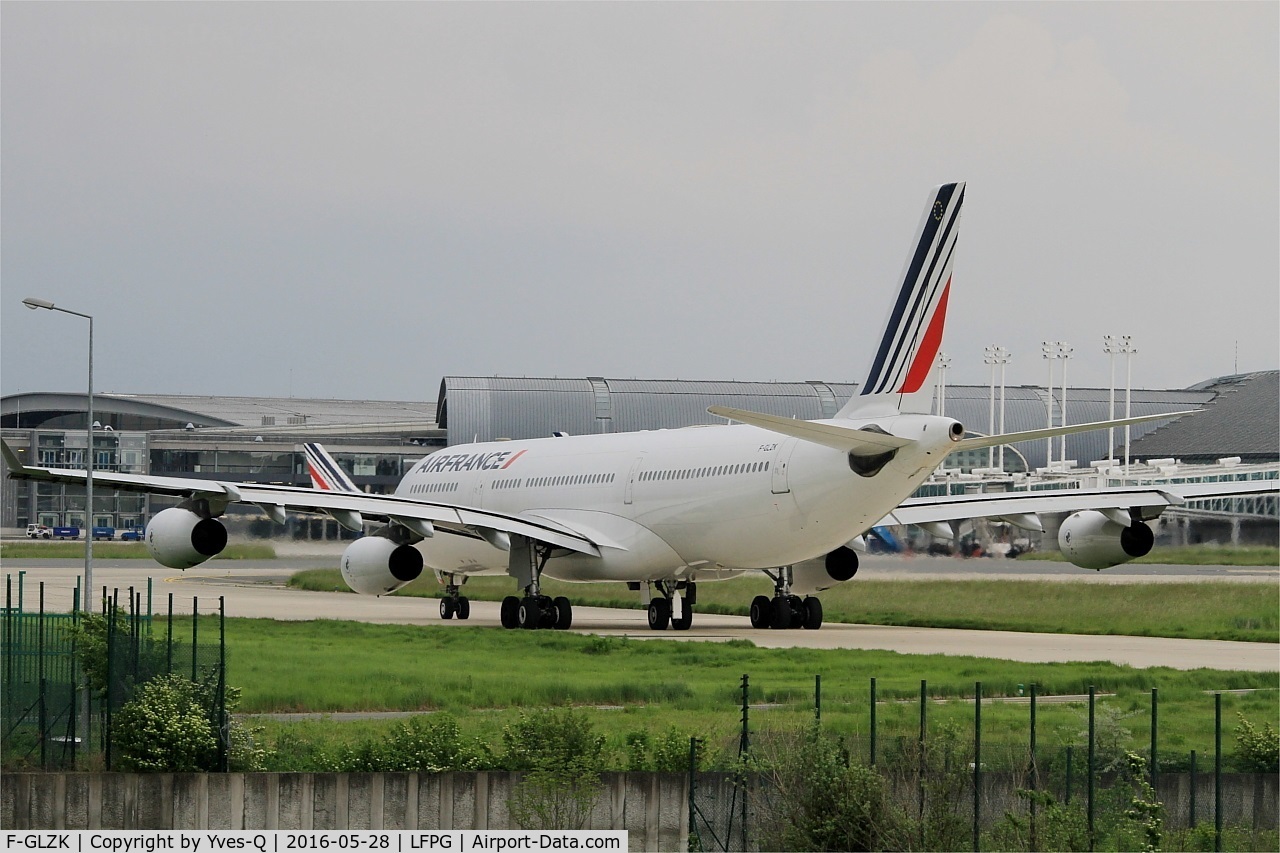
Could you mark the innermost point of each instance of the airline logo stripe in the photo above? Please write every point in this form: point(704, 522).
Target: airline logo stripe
point(920, 299)
point(325, 473)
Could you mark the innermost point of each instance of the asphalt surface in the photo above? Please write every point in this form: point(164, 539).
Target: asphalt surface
point(256, 589)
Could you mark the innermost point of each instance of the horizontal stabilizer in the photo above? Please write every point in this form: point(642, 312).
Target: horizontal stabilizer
point(1049, 432)
point(849, 440)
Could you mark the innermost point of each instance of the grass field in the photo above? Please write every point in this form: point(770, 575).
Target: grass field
point(1220, 611)
point(486, 677)
point(1191, 555)
point(120, 551)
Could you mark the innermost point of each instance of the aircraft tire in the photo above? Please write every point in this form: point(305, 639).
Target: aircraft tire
point(659, 614)
point(446, 608)
point(530, 613)
point(463, 608)
point(760, 612)
point(781, 615)
point(812, 613)
point(685, 622)
point(510, 612)
point(564, 613)
point(548, 610)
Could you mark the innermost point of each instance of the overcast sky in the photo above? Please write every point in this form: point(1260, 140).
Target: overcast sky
point(354, 200)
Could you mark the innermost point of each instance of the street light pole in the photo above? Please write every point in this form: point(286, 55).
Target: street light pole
point(944, 361)
point(1064, 353)
point(996, 356)
point(86, 598)
point(1049, 351)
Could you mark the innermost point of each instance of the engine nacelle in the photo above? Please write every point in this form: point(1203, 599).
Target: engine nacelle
point(825, 572)
point(179, 538)
point(1092, 541)
point(374, 565)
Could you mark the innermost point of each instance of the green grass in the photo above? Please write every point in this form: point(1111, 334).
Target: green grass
point(1191, 555)
point(485, 677)
point(120, 551)
point(1219, 611)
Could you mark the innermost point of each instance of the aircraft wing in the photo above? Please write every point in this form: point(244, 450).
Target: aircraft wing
point(1150, 500)
point(274, 498)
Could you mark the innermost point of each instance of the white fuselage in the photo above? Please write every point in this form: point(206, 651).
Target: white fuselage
point(682, 504)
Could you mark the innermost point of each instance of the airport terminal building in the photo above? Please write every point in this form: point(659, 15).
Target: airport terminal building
point(254, 439)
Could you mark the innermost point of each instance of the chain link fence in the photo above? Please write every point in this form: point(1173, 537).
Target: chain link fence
point(64, 676)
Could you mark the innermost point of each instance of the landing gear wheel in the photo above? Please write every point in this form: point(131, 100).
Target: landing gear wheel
point(530, 613)
point(760, 612)
point(659, 614)
point(446, 608)
point(812, 613)
point(510, 612)
point(686, 617)
point(463, 608)
point(781, 607)
point(547, 609)
point(564, 613)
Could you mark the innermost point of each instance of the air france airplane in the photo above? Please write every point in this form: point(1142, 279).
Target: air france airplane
point(666, 510)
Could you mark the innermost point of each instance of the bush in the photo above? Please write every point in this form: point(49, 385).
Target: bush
point(1258, 751)
point(562, 756)
point(814, 798)
point(166, 728)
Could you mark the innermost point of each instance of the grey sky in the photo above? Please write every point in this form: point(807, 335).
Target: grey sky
point(353, 200)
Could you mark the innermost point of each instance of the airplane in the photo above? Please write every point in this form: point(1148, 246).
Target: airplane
point(664, 510)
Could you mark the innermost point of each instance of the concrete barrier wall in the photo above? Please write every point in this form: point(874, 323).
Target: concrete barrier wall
point(652, 807)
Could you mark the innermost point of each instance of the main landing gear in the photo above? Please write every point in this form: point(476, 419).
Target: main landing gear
point(534, 610)
point(454, 603)
point(673, 605)
point(785, 610)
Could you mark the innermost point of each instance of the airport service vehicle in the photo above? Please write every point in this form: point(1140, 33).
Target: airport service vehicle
point(66, 533)
point(108, 533)
point(133, 534)
point(666, 510)
point(39, 531)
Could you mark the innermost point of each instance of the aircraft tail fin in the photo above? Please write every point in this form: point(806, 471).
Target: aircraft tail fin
point(326, 474)
point(913, 333)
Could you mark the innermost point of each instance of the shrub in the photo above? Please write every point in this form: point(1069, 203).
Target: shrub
point(166, 728)
point(814, 798)
point(1258, 751)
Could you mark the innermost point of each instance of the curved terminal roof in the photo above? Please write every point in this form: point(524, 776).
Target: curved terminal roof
point(495, 407)
point(149, 412)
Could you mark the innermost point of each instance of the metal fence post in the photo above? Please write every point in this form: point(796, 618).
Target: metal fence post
point(1034, 781)
point(1217, 771)
point(1155, 705)
point(977, 761)
point(921, 768)
point(817, 699)
point(224, 727)
point(1092, 765)
point(873, 722)
point(195, 631)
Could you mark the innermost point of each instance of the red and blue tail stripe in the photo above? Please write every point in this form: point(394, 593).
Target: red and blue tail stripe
point(913, 333)
point(325, 472)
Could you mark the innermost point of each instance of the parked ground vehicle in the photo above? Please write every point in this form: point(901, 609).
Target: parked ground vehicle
point(66, 533)
point(39, 531)
point(104, 533)
point(133, 534)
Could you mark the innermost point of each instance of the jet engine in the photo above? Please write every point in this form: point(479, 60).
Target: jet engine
point(1091, 540)
point(375, 565)
point(179, 538)
point(825, 572)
